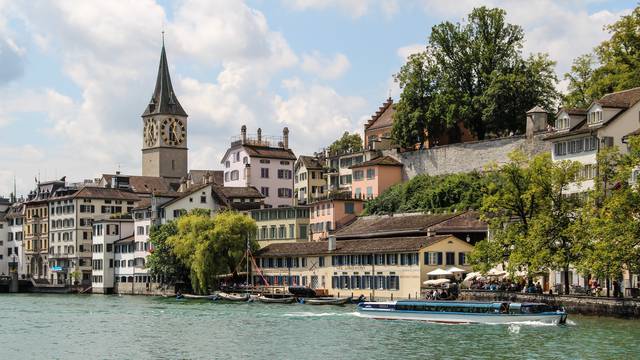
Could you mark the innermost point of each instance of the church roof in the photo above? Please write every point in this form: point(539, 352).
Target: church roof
point(383, 117)
point(164, 100)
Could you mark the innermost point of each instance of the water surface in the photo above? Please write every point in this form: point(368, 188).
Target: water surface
point(138, 327)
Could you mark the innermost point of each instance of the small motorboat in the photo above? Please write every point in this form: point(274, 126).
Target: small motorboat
point(232, 297)
point(302, 291)
point(276, 300)
point(327, 300)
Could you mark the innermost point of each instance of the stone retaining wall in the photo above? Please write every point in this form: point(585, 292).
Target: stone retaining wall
point(466, 157)
point(585, 305)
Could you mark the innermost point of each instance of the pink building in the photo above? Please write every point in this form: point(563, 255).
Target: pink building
point(373, 177)
point(329, 215)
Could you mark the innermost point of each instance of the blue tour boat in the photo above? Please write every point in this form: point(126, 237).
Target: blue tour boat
point(460, 312)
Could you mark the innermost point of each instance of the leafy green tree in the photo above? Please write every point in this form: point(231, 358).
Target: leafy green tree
point(484, 79)
point(432, 193)
point(580, 94)
point(210, 247)
point(347, 143)
point(618, 64)
point(162, 262)
point(415, 119)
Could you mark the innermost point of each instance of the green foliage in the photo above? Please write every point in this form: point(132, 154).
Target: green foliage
point(473, 72)
point(209, 247)
point(347, 143)
point(162, 262)
point(431, 193)
point(530, 216)
point(616, 65)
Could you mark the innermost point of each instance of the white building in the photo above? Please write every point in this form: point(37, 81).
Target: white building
point(106, 233)
point(5, 204)
point(15, 237)
point(265, 163)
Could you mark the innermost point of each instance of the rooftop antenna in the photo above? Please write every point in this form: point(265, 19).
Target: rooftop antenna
point(389, 92)
point(163, 36)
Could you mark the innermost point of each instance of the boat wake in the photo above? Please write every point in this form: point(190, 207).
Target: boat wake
point(312, 314)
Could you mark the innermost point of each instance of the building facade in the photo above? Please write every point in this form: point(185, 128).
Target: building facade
point(265, 163)
point(332, 213)
point(371, 178)
point(106, 233)
point(281, 225)
point(308, 181)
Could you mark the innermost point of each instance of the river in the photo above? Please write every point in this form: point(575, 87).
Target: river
point(138, 327)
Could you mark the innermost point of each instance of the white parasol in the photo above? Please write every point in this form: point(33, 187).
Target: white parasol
point(454, 270)
point(439, 272)
point(436, 282)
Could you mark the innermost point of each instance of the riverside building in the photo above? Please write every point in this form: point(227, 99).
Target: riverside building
point(281, 225)
point(263, 162)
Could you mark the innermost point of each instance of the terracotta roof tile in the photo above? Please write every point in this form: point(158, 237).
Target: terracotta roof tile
point(269, 152)
point(376, 225)
point(620, 99)
point(310, 162)
point(379, 161)
point(383, 117)
point(361, 246)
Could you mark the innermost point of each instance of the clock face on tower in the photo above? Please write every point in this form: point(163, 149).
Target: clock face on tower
point(150, 133)
point(173, 131)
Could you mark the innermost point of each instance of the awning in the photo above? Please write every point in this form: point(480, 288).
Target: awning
point(439, 272)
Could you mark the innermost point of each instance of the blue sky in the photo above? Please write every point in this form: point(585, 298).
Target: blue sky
point(76, 76)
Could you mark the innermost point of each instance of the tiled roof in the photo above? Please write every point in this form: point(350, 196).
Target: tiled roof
point(536, 109)
point(269, 152)
point(574, 111)
point(385, 225)
point(105, 193)
point(145, 184)
point(187, 193)
point(379, 161)
point(621, 99)
point(633, 133)
point(362, 246)
point(383, 117)
point(239, 192)
point(310, 162)
point(196, 176)
point(563, 134)
point(467, 221)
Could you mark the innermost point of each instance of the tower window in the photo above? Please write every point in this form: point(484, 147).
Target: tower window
point(173, 164)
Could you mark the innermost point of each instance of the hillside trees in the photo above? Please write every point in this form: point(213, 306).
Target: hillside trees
point(473, 72)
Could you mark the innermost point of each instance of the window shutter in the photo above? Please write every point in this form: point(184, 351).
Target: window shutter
point(439, 258)
point(426, 258)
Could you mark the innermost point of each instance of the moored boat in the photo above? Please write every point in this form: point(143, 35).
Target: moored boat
point(194, 297)
point(455, 312)
point(327, 300)
point(232, 297)
point(276, 300)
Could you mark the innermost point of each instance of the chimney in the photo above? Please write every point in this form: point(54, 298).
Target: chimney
point(536, 121)
point(243, 133)
point(285, 137)
point(259, 136)
point(247, 174)
point(332, 242)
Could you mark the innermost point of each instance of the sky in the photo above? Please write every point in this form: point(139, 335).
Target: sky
point(75, 76)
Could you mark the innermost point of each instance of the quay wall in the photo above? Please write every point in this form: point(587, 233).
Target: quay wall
point(466, 157)
point(154, 289)
point(584, 305)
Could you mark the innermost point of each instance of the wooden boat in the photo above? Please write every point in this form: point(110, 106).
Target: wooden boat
point(463, 312)
point(276, 300)
point(195, 297)
point(327, 300)
point(233, 297)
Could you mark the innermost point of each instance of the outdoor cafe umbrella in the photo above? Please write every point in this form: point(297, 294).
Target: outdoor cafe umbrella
point(436, 282)
point(454, 270)
point(439, 272)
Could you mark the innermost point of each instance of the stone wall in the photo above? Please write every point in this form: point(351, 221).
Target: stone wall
point(142, 289)
point(466, 157)
point(585, 305)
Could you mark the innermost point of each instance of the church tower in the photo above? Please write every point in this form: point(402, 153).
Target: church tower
point(164, 138)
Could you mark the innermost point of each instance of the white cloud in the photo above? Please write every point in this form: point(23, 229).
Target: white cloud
point(325, 67)
point(317, 115)
point(405, 51)
point(354, 8)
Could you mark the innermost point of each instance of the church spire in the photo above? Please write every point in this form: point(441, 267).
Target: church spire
point(164, 100)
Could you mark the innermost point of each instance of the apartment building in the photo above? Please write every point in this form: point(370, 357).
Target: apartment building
point(278, 225)
point(308, 181)
point(371, 178)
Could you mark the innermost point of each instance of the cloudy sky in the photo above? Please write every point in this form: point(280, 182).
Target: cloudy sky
point(75, 76)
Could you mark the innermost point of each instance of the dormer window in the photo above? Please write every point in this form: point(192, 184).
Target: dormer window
point(595, 117)
point(562, 123)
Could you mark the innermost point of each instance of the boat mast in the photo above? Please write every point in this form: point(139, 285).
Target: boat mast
point(247, 260)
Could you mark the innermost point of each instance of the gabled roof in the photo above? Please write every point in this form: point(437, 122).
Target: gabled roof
point(362, 246)
point(379, 161)
point(164, 100)
point(391, 225)
point(573, 111)
point(620, 99)
point(144, 184)
point(185, 194)
point(536, 109)
point(468, 221)
point(633, 133)
point(231, 192)
point(196, 176)
point(262, 152)
point(105, 193)
point(310, 162)
point(383, 117)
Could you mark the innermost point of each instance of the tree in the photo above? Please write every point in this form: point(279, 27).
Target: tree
point(531, 216)
point(347, 143)
point(162, 262)
point(618, 64)
point(580, 94)
point(480, 62)
point(415, 119)
point(210, 247)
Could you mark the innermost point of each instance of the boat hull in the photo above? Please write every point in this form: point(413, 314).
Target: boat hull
point(467, 318)
point(284, 300)
point(327, 301)
point(231, 297)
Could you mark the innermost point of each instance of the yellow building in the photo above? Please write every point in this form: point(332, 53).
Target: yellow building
point(380, 268)
point(281, 225)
